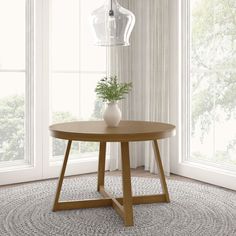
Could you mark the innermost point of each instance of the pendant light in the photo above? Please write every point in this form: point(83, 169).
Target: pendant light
point(112, 24)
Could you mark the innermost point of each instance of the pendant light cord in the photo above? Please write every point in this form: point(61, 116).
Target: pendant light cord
point(111, 12)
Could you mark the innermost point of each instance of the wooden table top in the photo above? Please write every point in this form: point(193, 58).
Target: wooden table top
point(97, 131)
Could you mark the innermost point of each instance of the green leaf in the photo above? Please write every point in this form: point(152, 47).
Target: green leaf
point(109, 89)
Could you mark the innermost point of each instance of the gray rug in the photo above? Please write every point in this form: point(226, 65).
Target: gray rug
point(195, 209)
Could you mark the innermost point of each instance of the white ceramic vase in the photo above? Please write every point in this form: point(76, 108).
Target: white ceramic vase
point(112, 114)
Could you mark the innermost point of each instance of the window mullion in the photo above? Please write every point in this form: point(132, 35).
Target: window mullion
point(185, 14)
point(29, 82)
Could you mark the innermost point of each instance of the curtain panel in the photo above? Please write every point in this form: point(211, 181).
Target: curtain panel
point(146, 64)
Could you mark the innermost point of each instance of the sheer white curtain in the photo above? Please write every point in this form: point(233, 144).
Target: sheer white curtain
point(146, 64)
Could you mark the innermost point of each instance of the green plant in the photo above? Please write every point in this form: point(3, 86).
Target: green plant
point(110, 90)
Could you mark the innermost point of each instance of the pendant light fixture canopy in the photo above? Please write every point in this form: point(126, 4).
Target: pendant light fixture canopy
point(112, 24)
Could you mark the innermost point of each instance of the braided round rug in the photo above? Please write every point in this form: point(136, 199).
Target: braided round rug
point(195, 209)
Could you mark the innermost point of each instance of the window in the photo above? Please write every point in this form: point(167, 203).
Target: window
point(16, 78)
point(48, 72)
point(210, 83)
point(76, 66)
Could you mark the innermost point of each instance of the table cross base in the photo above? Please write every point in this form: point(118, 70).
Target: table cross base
point(122, 205)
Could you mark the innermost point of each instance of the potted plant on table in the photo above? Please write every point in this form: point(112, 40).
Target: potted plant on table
point(111, 91)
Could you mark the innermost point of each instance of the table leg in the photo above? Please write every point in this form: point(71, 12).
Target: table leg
point(127, 192)
point(101, 165)
point(60, 181)
point(160, 169)
point(123, 205)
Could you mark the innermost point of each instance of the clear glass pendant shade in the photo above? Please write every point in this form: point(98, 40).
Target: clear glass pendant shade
point(112, 24)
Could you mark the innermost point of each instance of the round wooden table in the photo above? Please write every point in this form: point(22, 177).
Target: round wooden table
point(127, 131)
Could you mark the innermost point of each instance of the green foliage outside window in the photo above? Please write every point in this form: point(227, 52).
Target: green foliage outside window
point(12, 128)
point(213, 75)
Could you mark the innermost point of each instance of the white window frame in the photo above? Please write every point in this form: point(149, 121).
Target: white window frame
point(51, 168)
point(28, 159)
point(179, 19)
point(29, 168)
point(37, 120)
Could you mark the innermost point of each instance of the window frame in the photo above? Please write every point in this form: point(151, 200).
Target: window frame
point(22, 171)
point(28, 160)
point(51, 168)
point(180, 106)
point(186, 89)
point(37, 86)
